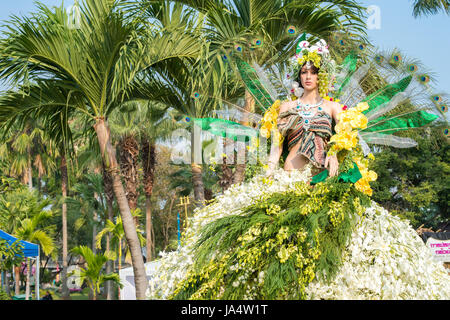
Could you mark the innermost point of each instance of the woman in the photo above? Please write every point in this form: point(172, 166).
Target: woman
point(306, 123)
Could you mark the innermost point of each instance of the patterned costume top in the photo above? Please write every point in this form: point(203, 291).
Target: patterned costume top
point(312, 131)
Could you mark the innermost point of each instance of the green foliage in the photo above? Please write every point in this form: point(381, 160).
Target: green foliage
point(10, 255)
point(4, 295)
point(92, 273)
point(8, 184)
point(430, 7)
point(414, 183)
point(18, 205)
point(277, 246)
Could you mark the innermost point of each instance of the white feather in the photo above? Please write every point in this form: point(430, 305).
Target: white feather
point(353, 92)
point(365, 147)
point(388, 140)
point(399, 97)
point(265, 81)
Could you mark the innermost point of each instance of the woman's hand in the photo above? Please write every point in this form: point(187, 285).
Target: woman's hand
point(332, 164)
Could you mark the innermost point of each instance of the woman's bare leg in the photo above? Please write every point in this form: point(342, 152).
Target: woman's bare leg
point(298, 162)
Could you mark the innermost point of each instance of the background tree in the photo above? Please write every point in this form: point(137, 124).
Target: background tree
point(414, 183)
point(430, 7)
point(10, 256)
point(117, 47)
point(117, 233)
point(92, 272)
point(34, 230)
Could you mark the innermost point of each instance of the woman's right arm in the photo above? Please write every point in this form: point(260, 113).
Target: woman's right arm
point(274, 158)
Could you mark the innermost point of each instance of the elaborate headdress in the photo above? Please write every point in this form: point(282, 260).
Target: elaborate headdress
point(319, 56)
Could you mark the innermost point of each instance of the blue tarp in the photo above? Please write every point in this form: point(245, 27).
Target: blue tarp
point(29, 249)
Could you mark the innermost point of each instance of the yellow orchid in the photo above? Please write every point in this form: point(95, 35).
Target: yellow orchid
point(359, 122)
point(310, 56)
point(269, 120)
point(362, 106)
point(268, 125)
point(367, 176)
point(345, 140)
point(363, 186)
point(343, 126)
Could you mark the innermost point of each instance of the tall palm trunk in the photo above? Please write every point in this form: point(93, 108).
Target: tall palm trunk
point(110, 160)
point(120, 267)
point(129, 152)
point(17, 280)
point(109, 195)
point(27, 285)
point(149, 162)
point(196, 156)
point(239, 174)
point(64, 184)
point(94, 232)
point(7, 287)
point(226, 179)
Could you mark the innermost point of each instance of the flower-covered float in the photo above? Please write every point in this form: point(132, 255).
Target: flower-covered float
point(285, 238)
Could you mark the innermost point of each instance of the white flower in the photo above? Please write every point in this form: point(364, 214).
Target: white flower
point(385, 258)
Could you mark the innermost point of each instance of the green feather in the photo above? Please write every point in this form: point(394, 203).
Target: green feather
point(390, 125)
point(385, 94)
point(253, 84)
point(351, 61)
point(226, 128)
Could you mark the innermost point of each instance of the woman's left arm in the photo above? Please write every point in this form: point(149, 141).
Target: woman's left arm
point(335, 110)
point(332, 161)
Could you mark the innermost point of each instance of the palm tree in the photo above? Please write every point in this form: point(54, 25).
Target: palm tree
point(428, 7)
point(25, 144)
point(241, 22)
point(116, 231)
point(109, 196)
point(57, 136)
point(181, 77)
point(141, 124)
point(11, 256)
point(32, 230)
point(88, 202)
point(92, 273)
point(98, 63)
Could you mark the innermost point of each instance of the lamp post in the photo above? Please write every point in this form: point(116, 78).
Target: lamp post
point(184, 201)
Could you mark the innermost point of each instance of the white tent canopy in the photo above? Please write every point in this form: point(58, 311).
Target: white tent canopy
point(128, 292)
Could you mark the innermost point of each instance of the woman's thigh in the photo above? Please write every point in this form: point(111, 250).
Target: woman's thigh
point(294, 160)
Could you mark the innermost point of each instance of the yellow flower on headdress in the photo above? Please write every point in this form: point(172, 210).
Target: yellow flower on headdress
point(313, 56)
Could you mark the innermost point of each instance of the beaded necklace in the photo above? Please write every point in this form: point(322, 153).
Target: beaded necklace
point(306, 111)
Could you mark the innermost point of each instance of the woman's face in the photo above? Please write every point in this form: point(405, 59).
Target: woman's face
point(309, 78)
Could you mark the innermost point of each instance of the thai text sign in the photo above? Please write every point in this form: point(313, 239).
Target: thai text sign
point(440, 249)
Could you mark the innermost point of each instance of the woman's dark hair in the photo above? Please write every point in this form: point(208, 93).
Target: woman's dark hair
point(298, 79)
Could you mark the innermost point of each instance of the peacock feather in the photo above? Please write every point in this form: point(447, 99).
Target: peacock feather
point(397, 89)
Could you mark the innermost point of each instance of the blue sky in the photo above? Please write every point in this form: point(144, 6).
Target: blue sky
point(426, 38)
